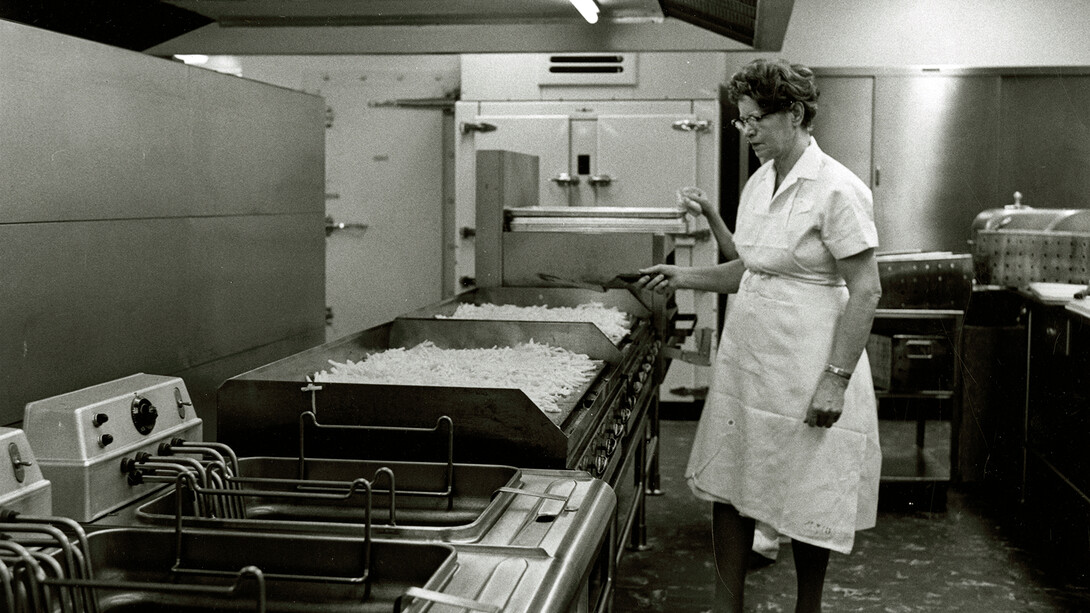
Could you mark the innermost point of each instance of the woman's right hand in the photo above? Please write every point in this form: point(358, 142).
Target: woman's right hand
point(660, 278)
point(694, 201)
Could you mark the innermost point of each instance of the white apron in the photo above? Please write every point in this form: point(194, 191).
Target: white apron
point(752, 448)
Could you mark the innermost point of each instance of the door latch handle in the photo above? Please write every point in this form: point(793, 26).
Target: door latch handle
point(565, 179)
point(596, 180)
point(479, 126)
point(690, 125)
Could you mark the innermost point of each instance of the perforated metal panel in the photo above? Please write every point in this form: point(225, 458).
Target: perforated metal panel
point(1016, 258)
point(926, 281)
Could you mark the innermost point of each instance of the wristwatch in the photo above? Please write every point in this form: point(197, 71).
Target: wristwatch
point(838, 371)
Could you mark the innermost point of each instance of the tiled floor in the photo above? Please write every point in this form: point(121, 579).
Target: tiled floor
point(963, 558)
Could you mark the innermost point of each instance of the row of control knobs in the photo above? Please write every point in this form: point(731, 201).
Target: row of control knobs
point(143, 413)
point(613, 433)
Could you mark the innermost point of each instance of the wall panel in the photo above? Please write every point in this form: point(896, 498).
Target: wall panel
point(154, 218)
point(1045, 140)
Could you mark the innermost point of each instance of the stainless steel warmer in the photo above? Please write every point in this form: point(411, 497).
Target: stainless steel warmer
point(1016, 245)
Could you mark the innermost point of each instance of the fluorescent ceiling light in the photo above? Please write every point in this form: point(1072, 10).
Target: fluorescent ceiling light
point(192, 59)
point(588, 9)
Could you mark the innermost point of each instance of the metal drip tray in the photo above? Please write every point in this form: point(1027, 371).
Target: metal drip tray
point(420, 509)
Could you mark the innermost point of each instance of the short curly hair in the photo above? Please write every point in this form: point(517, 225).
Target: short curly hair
point(776, 84)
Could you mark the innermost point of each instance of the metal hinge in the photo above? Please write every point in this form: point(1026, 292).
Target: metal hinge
point(697, 393)
point(692, 125)
point(480, 126)
point(446, 102)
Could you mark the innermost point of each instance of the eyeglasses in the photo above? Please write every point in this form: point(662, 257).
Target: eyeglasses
point(751, 121)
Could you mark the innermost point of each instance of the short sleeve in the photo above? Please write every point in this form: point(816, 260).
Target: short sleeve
point(848, 224)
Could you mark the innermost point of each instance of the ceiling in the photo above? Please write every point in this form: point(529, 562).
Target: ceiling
point(142, 24)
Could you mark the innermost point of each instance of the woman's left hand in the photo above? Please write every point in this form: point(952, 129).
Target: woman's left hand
point(828, 401)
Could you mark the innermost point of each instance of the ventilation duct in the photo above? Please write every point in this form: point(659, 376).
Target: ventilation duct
point(758, 23)
point(588, 68)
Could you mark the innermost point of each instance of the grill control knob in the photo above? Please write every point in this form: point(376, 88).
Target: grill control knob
point(144, 415)
point(618, 429)
point(99, 419)
point(105, 440)
point(611, 445)
point(601, 462)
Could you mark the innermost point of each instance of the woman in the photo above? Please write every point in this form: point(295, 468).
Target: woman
point(789, 431)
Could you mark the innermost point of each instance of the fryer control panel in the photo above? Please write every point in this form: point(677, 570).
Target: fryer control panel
point(97, 421)
point(81, 437)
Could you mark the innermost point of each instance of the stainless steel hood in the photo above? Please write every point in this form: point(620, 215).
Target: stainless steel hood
point(233, 13)
point(296, 13)
point(756, 24)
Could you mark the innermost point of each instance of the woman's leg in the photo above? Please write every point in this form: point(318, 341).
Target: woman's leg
point(810, 564)
point(732, 538)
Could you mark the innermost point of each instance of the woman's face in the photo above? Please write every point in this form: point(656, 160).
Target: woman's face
point(770, 134)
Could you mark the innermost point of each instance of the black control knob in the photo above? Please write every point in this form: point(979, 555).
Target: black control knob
point(144, 415)
point(99, 419)
point(128, 465)
point(105, 439)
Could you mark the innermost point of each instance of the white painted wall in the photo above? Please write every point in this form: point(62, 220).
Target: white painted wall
point(845, 33)
point(384, 170)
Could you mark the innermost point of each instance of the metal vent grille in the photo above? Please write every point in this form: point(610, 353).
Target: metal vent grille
point(602, 64)
point(589, 68)
point(735, 19)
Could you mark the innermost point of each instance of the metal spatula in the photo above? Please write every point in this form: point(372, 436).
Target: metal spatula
point(622, 281)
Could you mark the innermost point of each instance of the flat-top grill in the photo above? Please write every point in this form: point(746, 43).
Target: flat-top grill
point(605, 427)
point(323, 534)
point(259, 410)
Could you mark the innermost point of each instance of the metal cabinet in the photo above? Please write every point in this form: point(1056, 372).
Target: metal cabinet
point(1057, 421)
point(918, 383)
point(1055, 484)
point(925, 142)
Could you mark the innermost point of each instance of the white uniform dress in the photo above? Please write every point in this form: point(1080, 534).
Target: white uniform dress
point(752, 448)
